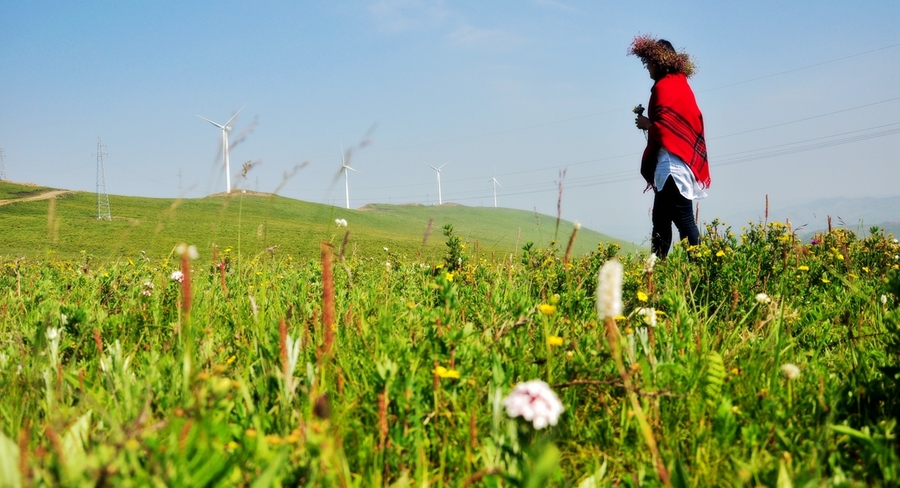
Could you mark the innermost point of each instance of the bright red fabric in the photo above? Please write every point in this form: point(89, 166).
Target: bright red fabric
point(677, 125)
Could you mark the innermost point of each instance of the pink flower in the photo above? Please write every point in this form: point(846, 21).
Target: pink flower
point(177, 276)
point(535, 402)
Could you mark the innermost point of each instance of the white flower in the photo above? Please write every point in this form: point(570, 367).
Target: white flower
point(884, 299)
point(649, 315)
point(609, 289)
point(790, 371)
point(763, 298)
point(52, 333)
point(340, 222)
point(535, 402)
point(649, 262)
point(147, 289)
point(190, 250)
point(577, 226)
point(385, 249)
point(177, 276)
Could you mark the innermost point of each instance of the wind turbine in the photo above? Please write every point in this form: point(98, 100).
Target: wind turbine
point(225, 128)
point(496, 184)
point(438, 169)
point(344, 168)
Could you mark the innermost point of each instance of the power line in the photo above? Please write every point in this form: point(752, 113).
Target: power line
point(620, 109)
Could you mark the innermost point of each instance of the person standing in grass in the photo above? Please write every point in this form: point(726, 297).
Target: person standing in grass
point(674, 163)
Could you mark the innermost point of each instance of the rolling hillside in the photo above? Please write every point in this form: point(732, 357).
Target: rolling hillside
point(66, 226)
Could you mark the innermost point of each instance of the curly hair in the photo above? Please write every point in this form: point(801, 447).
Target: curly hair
point(661, 53)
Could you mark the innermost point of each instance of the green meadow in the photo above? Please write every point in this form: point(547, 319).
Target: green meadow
point(754, 359)
point(253, 223)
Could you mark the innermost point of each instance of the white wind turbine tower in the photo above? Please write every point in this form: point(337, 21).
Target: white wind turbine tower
point(225, 128)
point(344, 168)
point(495, 184)
point(438, 169)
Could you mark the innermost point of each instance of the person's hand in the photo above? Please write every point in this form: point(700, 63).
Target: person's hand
point(642, 122)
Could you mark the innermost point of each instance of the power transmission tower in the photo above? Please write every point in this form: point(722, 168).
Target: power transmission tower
point(102, 197)
point(2, 168)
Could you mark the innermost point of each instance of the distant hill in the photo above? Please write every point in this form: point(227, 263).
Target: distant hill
point(252, 222)
point(856, 214)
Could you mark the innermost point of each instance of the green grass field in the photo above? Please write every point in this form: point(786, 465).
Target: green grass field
point(753, 359)
point(253, 223)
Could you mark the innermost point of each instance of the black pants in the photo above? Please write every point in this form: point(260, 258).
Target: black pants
point(669, 206)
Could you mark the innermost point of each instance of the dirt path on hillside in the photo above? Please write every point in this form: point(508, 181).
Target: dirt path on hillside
point(43, 196)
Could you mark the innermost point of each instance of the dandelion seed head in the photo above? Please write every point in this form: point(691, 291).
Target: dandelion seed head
point(763, 298)
point(790, 371)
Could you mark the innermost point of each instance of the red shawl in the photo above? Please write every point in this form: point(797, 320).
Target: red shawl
point(677, 125)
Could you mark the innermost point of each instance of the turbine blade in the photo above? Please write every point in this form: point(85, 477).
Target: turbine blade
point(213, 123)
point(445, 164)
point(436, 169)
point(351, 169)
point(235, 115)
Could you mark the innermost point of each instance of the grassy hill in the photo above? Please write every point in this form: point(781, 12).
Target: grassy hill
point(251, 223)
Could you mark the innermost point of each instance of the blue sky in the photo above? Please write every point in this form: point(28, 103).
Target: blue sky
point(801, 99)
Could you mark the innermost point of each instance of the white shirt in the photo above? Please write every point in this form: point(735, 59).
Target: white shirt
point(668, 164)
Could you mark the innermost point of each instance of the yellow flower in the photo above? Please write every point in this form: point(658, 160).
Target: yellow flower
point(555, 340)
point(720, 254)
point(826, 280)
point(866, 269)
point(619, 317)
point(443, 372)
point(547, 309)
point(251, 433)
point(803, 268)
point(449, 277)
point(852, 275)
point(642, 297)
point(230, 359)
point(840, 257)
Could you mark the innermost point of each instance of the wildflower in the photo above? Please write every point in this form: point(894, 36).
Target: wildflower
point(790, 371)
point(577, 226)
point(443, 372)
point(340, 222)
point(191, 250)
point(449, 276)
point(555, 340)
point(649, 262)
point(803, 268)
point(535, 402)
point(826, 280)
point(619, 317)
point(147, 289)
point(649, 315)
point(720, 254)
point(642, 297)
point(177, 276)
point(763, 298)
point(815, 241)
point(884, 299)
point(609, 290)
point(547, 309)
